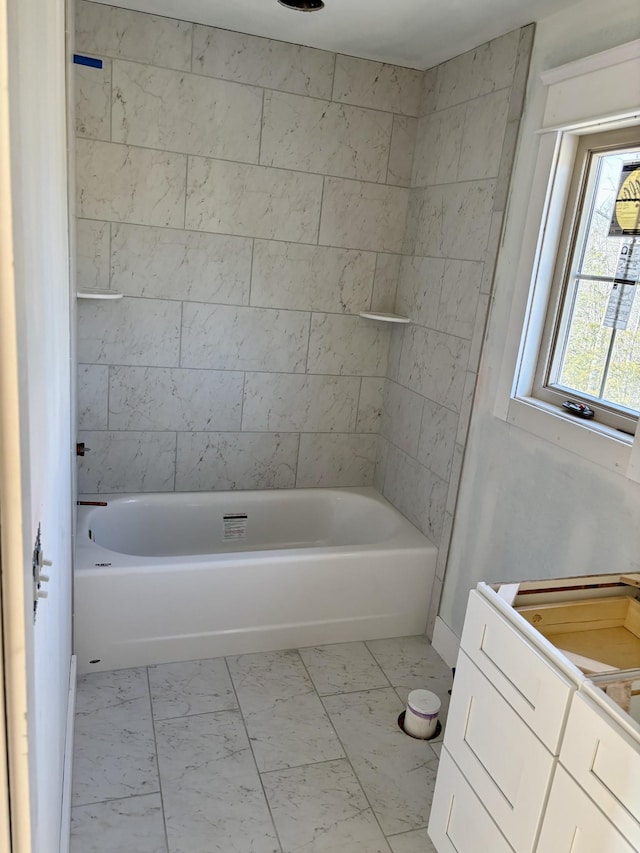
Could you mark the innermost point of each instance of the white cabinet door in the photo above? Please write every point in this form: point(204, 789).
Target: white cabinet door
point(458, 822)
point(605, 761)
point(573, 823)
point(528, 681)
point(503, 761)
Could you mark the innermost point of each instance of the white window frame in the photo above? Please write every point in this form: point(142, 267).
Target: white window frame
point(583, 97)
point(573, 240)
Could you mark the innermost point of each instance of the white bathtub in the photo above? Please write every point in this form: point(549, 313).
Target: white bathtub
point(168, 577)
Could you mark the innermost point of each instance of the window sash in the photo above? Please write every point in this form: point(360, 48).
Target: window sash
point(567, 276)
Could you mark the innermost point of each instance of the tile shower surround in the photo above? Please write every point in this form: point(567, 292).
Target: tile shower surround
point(281, 751)
point(465, 144)
point(248, 197)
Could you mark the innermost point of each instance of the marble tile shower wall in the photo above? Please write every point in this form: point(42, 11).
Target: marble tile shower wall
point(248, 197)
point(467, 130)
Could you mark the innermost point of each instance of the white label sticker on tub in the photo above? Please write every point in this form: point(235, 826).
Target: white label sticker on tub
point(235, 526)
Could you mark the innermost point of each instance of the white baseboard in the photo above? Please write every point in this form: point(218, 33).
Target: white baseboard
point(445, 642)
point(65, 823)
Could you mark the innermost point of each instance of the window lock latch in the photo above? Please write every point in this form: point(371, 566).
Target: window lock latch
point(578, 410)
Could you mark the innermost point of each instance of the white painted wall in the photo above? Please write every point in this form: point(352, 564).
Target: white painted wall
point(36, 481)
point(528, 509)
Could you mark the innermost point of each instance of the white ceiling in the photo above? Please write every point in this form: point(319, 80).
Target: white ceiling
point(415, 33)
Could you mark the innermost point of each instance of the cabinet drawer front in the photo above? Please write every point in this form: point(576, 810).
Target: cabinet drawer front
point(503, 761)
point(528, 682)
point(605, 761)
point(459, 823)
point(574, 824)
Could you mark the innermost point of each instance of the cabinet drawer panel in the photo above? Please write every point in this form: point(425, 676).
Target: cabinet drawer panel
point(503, 761)
point(574, 824)
point(539, 693)
point(605, 761)
point(459, 823)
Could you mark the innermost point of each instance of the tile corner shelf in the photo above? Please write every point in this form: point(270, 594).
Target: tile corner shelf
point(384, 318)
point(98, 293)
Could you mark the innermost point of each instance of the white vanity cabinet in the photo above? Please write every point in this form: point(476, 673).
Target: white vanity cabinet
point(572, 823)
point(536, 759)
point(464, 824)
point(499, 756)
point(604, 760)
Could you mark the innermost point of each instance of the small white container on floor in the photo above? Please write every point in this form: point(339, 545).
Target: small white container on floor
point(421, 716)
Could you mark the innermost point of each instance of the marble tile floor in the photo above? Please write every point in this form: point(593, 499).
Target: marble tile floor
point(295, 751)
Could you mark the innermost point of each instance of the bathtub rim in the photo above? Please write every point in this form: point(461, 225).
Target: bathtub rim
point(89, 555)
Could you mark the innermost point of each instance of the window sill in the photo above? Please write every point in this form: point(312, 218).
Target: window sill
point(588, 439)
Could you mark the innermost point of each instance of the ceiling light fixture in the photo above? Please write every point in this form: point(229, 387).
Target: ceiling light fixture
point(302, 5)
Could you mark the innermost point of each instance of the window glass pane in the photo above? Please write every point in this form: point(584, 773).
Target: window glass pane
point(597, 353)
point(585, 354)
point(623, 377)
point(601, 251)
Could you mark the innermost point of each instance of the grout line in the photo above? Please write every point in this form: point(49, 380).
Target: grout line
point(179, 365)
point(333, 78)
point(298, 766)
point(115, 799)
point(306, 369)
point(339, 739)
point(424, 396)
point(329, 99)
point(186, 193)
point(420, 427)
point(360, 690)
point(366, 642)
point(324, 186)
point(244, 386)
point(281, 432)
point(373, 282)
point(289, 169)
point(239, 432)
point(253, 249)
point(295, 473)
point(109, 369)
point(464, 102)
point(155, 745)
point(377, 663)
point(382, 458)
point(406, 832)
point(396, 279)
point(175, 461)
point(246, 237)
point(357, 409)
point(393, 124)
point(462, 139)
point(244, 723)
point(416, 462)
point(354, 249)
point(261, 128)
point(200, 713)
point(111, 100)
point(110, 226)
point(344, 376)
point(277, 309)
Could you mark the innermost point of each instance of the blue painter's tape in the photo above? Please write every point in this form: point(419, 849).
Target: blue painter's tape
point(87, 60)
